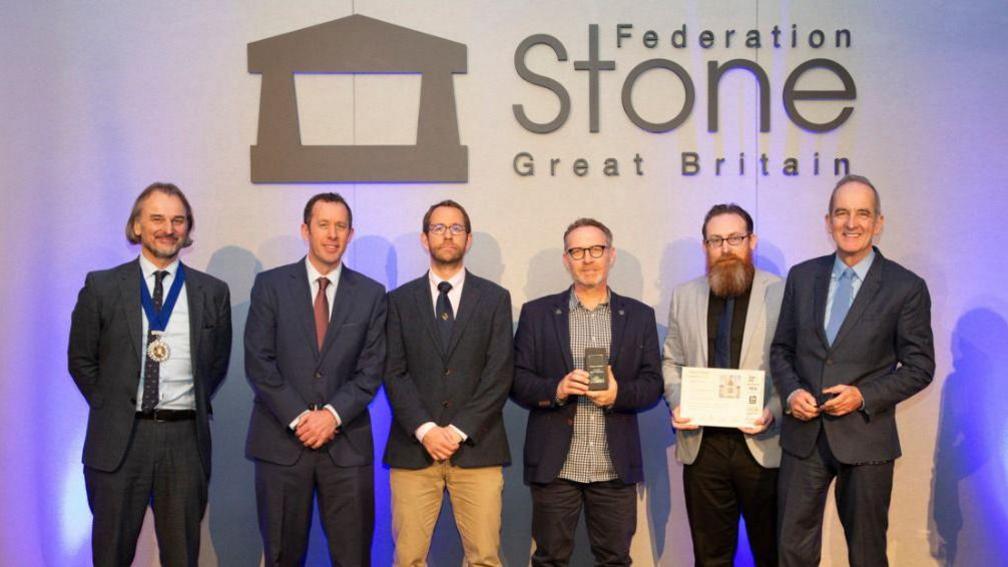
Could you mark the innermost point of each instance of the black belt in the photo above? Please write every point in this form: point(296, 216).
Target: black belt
point(167, 415)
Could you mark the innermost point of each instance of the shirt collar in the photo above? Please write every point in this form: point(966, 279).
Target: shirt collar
point(147, 268)
point(314, 275)
point(860, 269)
point(575, 302)
point(456, 281)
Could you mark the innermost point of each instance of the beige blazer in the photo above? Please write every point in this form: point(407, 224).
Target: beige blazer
point(686, 345)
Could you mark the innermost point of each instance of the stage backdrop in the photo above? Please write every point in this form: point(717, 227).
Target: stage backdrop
point(642, 114)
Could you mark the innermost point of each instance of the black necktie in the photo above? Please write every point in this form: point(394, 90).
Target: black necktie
point(445, 315)
point(152, 368)
point(722, 343)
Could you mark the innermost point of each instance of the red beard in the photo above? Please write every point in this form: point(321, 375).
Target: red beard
point(730, 275)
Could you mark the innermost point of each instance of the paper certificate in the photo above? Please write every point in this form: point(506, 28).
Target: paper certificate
point(721, 397)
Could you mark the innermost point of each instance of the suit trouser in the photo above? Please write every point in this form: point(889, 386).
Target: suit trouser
point(724, 481)
point(162, 469)
point(476, 502)
point(284, 497)
point(862, 499)
point(610, 515)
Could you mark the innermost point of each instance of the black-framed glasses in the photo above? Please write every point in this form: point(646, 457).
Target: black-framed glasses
point(733, 240)
point(593, 251)
point(440, 228)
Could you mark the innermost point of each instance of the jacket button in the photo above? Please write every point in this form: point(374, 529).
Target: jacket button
point(447, 371)
point(570, 422)
point(445, 403)
point(829, 362)
point(318, 375)
point(133, 401)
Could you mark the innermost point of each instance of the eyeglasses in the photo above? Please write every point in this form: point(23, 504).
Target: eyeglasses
point(593, 251)
point(733, 240)
point(440, 229)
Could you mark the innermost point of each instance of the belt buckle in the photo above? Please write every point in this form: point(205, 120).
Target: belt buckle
point(159, 416)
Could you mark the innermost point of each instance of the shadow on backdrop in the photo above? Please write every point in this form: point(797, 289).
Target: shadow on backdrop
point(232, 507)
point(969, 498)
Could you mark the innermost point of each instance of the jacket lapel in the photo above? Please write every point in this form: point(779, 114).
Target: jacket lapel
point(471, 292)
point(561, 326)
point(755, 315)
point(301, 300)
point(702, 304)
point(865, 295)
point(617, 312)
point(819, 294)
point(342, 305)
point(129, 302)
point(425, 308)
point(194, 295)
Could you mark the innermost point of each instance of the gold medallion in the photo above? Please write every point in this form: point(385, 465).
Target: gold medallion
point(158, 350)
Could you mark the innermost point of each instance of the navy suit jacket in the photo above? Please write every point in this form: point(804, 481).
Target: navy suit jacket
point(105, 353)
point(543, 357)
point(884, 347)
point(288, 372)
point(465, 384)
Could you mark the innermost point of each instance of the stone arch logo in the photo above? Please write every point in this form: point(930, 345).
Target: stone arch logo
point(357, 44)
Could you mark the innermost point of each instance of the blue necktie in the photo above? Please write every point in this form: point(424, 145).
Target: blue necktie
point(842, 299)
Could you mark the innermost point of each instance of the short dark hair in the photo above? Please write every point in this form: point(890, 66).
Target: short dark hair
point(327, 198)
point(446, 203)
point(168, 189)
point(585, 221)
point(851, 178)
point(726, 209)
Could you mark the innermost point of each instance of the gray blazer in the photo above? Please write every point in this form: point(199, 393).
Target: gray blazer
point(686, 345)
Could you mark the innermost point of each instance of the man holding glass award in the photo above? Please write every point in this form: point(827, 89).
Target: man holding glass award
point(724, 407)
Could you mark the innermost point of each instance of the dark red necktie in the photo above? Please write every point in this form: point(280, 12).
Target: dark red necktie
point(321, 311)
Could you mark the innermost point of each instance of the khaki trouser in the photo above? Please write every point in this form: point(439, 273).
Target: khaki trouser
point(476, 501)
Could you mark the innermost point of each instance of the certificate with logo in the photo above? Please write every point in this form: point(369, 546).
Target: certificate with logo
point(721, 397)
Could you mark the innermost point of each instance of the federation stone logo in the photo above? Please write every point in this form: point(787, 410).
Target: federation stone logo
point(357, 44)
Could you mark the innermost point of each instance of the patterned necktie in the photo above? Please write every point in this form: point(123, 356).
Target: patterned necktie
point(321, 312)
point(445, 315)
point(722, 342)
point(842, 299)
point(152, 368)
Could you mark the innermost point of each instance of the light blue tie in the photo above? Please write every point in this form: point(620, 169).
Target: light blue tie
point(842, 299)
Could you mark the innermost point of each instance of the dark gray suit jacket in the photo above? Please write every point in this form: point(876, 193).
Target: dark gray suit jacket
point(884, 347)
point(465, 384)
point(104, 355)
point(288, 372)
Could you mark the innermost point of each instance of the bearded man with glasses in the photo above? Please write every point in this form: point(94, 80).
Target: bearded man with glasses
point(726, 319)
point(448, 372)
point(582, 445)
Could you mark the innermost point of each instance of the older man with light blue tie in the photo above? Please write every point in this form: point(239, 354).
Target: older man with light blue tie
point(853, 340)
